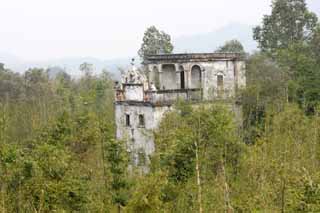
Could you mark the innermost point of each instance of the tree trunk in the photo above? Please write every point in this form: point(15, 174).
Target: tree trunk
point(3, 198)
point(198, 179)
point(103, 166)
point(198, 169)
point(119, 208)
point(228, 207)
point(283, 191)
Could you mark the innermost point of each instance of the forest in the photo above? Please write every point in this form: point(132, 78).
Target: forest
point(58, 151)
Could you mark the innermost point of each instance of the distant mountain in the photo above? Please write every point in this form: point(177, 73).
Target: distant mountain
point(11, 61)
point(53, 72)
point(209, 42)
point(202, 42)
point(70, 65)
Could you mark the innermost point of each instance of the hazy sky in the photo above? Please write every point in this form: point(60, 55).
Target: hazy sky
point(48, 29)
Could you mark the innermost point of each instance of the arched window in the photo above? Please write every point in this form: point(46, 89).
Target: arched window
point(154, 77)
point(220, 85)
point(128, 120)
point(196, 77)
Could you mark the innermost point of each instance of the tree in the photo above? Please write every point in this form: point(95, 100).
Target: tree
point(279, 173)
point(117, 164)
point(266, 88)
point(2, 67)
point(199, 151)
point(232, 46)
point(147, 196)
point(289, 22)
point(290, 36)
point(315, 44)
point(303, 71)
point(11, 85)
point(50, 156)
point(86, 68)
point(155, 42)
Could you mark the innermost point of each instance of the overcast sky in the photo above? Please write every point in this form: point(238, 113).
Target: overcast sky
point(106, 29)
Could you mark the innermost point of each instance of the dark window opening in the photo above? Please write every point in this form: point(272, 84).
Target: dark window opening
point(220, 84)
point(182, 79)
point(141, 121)
point(127, 120)
point(220, 81)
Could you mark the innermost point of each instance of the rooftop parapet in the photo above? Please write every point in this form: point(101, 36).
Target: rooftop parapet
point(191, 57)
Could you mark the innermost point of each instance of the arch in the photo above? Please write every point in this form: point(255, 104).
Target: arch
point(182, 78)
point(154, 77)
point(168, 76)
point(220, 85)
point(196, 76)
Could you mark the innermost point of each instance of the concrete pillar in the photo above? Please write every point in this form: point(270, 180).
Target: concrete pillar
point(160, 75)
point(236, 77)
point(203, 82)
point(203, 77)
point(178, 80)
point(149, 74)
point(188, 74)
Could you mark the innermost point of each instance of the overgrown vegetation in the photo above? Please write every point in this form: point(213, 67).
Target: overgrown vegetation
point(58, 152)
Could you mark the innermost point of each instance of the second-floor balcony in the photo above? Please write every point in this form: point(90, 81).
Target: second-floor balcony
point(170, 96)
point(160, 97)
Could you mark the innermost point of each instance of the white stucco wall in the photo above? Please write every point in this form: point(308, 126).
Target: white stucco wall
point(210, 84)
point(133, 92)
point(138, 138)
point(233, 73)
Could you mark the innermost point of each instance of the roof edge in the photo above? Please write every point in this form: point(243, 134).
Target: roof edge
point(192, 56)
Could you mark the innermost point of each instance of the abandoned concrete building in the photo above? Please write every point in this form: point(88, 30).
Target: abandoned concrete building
point(144, 95)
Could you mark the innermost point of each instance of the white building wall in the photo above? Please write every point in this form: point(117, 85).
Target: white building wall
point(139, 138)
point(233, 73)
point(241, 69)
point(133, 92)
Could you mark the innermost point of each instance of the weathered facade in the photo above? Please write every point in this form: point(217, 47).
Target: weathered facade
point(143, 96)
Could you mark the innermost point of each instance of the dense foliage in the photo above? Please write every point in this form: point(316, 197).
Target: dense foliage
point(155, 42)
point(232, 46)
point(53, 143)
point(290, 22)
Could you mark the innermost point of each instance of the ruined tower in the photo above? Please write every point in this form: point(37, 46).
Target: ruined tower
point(145, 94)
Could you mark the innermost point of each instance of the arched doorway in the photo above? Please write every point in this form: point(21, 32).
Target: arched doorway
point(154, 77)
point(196, 77)
point(220, 86)
point(168, 77)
